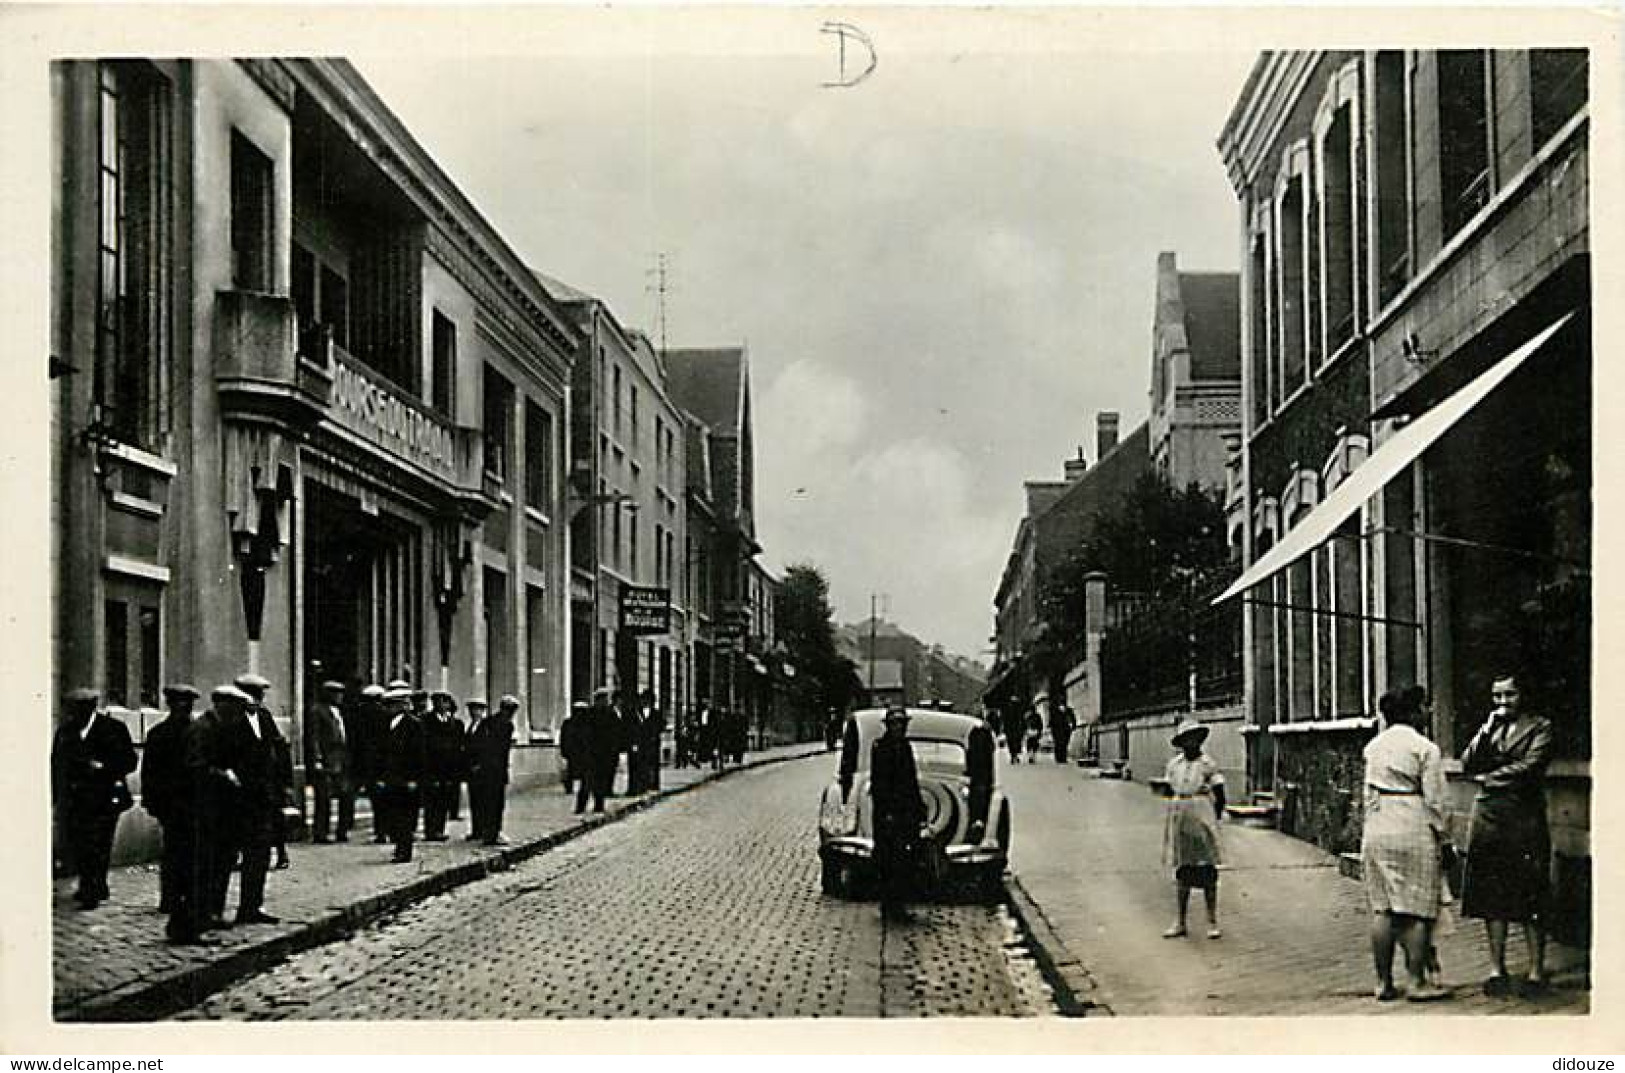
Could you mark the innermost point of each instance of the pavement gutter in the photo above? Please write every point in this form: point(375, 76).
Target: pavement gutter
point(152, 1000)
point(1076, 992)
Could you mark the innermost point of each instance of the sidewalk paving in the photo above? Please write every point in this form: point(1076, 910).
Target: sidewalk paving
point(112, 964)
point(1087, 853)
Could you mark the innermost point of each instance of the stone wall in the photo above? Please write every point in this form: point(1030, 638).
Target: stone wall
point(1318, 782)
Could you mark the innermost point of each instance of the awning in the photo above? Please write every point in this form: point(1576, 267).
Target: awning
point(1403, 448)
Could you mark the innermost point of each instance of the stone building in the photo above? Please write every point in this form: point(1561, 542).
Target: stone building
point(630, 627)
point(1413, 500)
point(308, 406)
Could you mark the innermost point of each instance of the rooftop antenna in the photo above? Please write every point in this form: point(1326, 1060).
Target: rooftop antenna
point(660, 287)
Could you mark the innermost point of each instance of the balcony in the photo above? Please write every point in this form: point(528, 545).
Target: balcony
point(258, 370)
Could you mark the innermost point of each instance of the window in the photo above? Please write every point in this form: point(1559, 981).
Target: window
point(660, 554)
point(252, 198)
point(303, 286)
point(498, 419)
point(133, 304)
point(132, 646)
point(632, 541)
point(1258, 334)
point(1557, 88)
point(1337, 230)
point(1464, 143)
point(538, 457)
point(335, 306)
point(1392, 199)
point(443, 374)
point(1293, 367)
point(634, 417)
point(618, 433)
point(615, 524)
point(321, 299)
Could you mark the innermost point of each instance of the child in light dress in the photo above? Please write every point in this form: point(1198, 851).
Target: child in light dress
point(1191, 834)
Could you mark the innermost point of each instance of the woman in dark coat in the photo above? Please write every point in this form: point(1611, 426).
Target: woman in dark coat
point(1509, 847)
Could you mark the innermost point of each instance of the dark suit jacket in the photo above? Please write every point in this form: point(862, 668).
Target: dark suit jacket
point(327, 745)
point(894, 786)
point(257, 761)
point(165, 785)
point(402, 751)
point(87, 775)
point(447, 747)
point(489, 744)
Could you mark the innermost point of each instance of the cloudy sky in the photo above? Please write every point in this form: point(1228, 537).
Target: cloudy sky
point(942, 274)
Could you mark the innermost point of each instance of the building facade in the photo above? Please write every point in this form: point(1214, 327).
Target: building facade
point(309, 407)
point(1415, 246)
point(629, 622)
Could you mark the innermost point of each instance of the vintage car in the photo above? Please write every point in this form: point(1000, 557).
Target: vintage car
point(967, 817)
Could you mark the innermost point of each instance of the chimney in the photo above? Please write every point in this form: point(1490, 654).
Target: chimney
point(1076, 467)
point(1105, 432)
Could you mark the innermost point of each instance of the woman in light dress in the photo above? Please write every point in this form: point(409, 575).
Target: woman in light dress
point(1401, 843)
point(1190, 841)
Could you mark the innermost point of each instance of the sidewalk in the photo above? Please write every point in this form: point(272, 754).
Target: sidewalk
point(112, 964)
point(1087, 855)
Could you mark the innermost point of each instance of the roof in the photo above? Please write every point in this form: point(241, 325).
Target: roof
point(922, 723)
point(1212, 302)
point(710, 384)
point(561, 291)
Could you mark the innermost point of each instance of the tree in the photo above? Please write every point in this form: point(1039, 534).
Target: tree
point(824, 680)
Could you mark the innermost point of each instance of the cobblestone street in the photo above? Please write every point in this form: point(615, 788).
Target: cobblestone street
point(706, 907)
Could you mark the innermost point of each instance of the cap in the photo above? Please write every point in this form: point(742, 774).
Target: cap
point(442, 694)
point(579, 704)
point(251, 681)
point(399, 683)
point(230, 694)
point(181, 691)
point(331, 686)
point(477, 702)
point(420, 694)
point(84, 696)
point(895, 712)
point(375, 691)
point(398, 693)
point(508, 701)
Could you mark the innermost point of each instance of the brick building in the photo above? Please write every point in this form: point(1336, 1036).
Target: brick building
point(1413, 498)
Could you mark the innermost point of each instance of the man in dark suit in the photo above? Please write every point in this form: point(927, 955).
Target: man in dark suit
point(894, 787)
point(166, 793)
point(327, 764)
point(90, 756)
point(251, 746)
point(445, 741)
point(1062, 724)
point(652, 728)
point(490, 741)
point(365, 725)
point(601, 744)
point(215, 792)
point(401, 762)
point(570, 744)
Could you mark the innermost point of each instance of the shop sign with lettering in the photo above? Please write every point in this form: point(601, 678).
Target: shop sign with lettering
point(645, 609)
point(383, 416)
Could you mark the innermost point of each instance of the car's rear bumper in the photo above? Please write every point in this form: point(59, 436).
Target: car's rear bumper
point(860, 848)
point(848, 846)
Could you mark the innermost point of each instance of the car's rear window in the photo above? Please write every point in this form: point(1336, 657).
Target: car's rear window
point(938, 755)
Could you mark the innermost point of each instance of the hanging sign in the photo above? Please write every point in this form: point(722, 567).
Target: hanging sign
point(645, 609)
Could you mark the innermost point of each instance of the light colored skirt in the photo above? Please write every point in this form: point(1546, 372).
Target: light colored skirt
point(1191, 833)
point(1400, 856)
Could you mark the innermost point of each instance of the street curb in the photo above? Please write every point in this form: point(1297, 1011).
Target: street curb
point(1076, 992)
point(152, 1000)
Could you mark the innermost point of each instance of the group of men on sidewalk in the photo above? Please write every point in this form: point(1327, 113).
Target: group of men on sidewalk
point(219, 782)
point(592, 739)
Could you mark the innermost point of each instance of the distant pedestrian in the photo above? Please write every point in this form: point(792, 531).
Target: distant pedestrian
point(490, 742)
point(1401, 843)
point(166, 794)
point(570, 744)
point(327, 765)
point(601, 746)
point(1014, 726)
point(401, 764)
point(899, 813)
point(1191, 831)
point(652, 725)
point(1035, 735)
point(832, 730)
point(90, 756)
point(1509, 844)
point(1061, 726)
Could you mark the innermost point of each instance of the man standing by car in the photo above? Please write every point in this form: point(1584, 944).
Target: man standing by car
point(894, 785)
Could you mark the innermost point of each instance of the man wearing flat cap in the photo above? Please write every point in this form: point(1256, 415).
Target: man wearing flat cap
point(327, 763)
point(401, 762)
point(445, 741)
point(365, 726)
point(489, 743)
point(253, 748)
point(91, 754)
point(165, 791)
point(899, 812)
